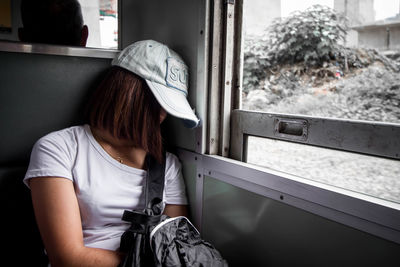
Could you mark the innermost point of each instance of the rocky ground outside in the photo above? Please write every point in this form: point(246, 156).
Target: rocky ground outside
point(371, 93)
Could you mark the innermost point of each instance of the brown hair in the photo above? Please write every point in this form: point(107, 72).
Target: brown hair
point(124, 105)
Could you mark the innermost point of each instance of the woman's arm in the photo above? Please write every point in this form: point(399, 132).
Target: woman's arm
point(175, 210)
point(57, 215)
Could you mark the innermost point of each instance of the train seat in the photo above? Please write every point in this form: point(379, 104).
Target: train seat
point(39, 94)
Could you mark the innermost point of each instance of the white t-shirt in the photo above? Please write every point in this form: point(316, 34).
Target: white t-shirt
point(103, 186)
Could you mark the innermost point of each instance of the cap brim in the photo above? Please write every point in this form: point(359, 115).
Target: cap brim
point(174, 103)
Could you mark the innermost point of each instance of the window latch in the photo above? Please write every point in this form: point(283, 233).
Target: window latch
point(291, 129)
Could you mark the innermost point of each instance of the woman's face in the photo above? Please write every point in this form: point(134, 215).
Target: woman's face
point(163, 115)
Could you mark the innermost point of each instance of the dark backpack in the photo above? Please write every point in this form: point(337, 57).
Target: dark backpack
point(154, 239)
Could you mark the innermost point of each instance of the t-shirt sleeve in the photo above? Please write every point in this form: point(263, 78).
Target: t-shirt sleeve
point(175, 192)
point(51, 156)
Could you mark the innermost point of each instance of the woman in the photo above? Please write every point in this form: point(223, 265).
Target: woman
point(82, 178)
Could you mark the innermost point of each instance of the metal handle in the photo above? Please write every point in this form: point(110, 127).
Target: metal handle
point(292, 129)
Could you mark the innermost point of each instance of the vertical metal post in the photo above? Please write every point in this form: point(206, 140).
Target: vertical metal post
point(198, 219)
point(237, 136)
point(238, 58)
point(387, 38)
point(203, 42)
point(214, 96)
point(226, 99)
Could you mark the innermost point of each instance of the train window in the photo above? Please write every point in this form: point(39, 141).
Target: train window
point(374, 176)
point(324, 73)
point(100, 16)
point(328, 58)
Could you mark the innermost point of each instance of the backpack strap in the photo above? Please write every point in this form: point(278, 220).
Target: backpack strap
point(154, 180)
point(134, 240)
point(153, 195)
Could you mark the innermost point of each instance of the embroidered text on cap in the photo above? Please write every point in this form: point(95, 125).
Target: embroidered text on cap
point(177, 75)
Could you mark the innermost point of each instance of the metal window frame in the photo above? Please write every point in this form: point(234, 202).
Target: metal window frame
point(371, 138)
point(376, 216)
point(215, 72)
point(220, 82)
point(60, 50)
point(225, 73)
point(372, 215)
point(367, 213)
point(366, 137)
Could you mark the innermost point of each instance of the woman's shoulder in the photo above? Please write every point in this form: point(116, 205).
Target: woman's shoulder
point(65, 133)
point(65, 137)
point(172, 165)
point(171, 159)
point(54, 153)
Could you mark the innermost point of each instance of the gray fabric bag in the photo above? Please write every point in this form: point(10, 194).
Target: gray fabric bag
point(176, 242)
point(154, 239)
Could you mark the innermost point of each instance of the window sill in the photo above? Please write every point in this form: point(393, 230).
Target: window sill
point(372, 215)
point(60, 50)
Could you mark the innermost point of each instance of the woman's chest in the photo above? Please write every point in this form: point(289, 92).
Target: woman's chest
point(103, 193)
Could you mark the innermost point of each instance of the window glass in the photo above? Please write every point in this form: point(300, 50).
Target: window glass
point(369, 175)
point(326, 58)
point(101, 17)
point(5, 16)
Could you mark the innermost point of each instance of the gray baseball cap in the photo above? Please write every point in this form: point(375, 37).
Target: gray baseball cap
point(164, 72)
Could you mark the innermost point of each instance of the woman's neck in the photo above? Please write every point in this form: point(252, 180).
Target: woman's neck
point(122, 150)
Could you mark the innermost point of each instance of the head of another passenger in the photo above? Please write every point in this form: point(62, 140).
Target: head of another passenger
point(53, 22)
point(146, 81)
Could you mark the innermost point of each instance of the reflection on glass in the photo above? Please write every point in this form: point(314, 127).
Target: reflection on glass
point(5, 16)
point(52, 22)
point(374, 176)
point(100, 17)
point(328, 58)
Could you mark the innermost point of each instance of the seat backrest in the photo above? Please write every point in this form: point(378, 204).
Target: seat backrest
point(38, 94)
